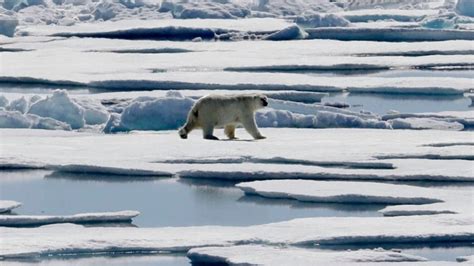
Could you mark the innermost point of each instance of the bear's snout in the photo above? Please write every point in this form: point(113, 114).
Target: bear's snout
point(264, 102)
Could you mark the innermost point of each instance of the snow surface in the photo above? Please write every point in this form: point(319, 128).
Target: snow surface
point(29, 220)
point(8, 205)
point(264, 255)
point(73, 239)
point(205, 69)
point(90, 152)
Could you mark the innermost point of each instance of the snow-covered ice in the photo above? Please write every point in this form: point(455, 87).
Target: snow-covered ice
point(90, 152)
point(74, 239)
point(100, 217)
point(409, 200)
point(264, 255)
point(8, 205)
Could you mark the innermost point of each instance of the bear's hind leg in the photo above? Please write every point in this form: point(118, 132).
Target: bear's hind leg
point(207, 132)
point(249, 124)
point(229, 131)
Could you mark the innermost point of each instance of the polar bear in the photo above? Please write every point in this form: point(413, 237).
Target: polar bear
point(227, 111)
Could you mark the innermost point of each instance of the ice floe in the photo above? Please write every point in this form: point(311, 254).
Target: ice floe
point(8, 205)
point(389, 35)
point(265, 255)
point(448, 118)
point(60, 107)
point(407, 200)
point(100, 217)
point(340, 192)
point(74, 239)
point(90, 152)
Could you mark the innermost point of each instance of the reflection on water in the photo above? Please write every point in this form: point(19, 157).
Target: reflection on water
point(104, 260)
point(162, 202)
point(446, 251)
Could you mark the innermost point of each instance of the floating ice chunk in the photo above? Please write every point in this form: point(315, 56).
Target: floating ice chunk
point(8, 25)
point(39, 122)
point(425, 123)
point(29, 220)
point(13, 119)
point(94, 112)
point(8, 205)
point(67, 239)
point(293, 32)
point(438, 23)
point(322, 20)
point(60, 107)
point(20, 105)
point(340, 192)
point(267, 255)
point(465, 7)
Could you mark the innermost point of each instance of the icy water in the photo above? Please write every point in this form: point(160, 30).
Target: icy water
point(173, 202)
point(162, 202)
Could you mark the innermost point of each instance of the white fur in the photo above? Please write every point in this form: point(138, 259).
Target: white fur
point(226, 111)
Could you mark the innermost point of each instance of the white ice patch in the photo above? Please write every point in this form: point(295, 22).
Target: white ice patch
point(100, 217)
point(67, 239)
point(265, 255)
point(20, 105)
point(8, 205)
point(60, 107)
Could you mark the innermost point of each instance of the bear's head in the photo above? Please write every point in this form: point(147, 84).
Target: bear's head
point(262, 101)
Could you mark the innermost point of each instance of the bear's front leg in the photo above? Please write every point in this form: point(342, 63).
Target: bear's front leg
point(251, 127)
point(207, 132)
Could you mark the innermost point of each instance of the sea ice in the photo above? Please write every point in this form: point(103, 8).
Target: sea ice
point(74, 239)
point(29, 220)
point(265, 255)
point(8, 205)
point(60, 107)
